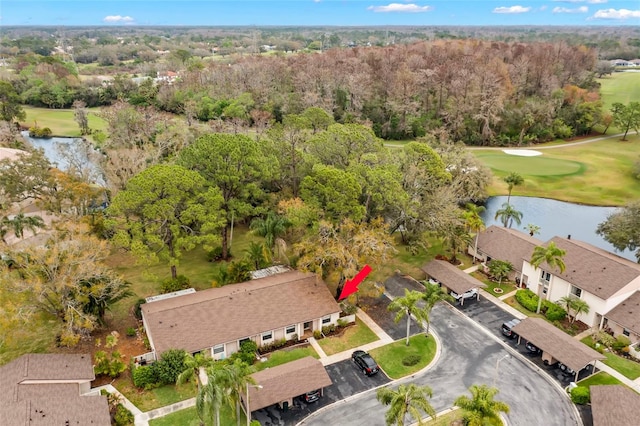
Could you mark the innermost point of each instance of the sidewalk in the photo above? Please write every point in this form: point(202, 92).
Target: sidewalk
point(633, 384)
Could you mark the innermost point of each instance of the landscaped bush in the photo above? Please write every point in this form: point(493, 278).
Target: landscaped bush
point(554, 312)
point(137, 311)
point(604, 339)
point(410, 360)
point(131, 332)
point(580, 395)
point(216, 254)
point(317, 334)
point(170, 366)
point(247, 352)
point(621, 342)
point(123, 417)
point(146, 377)
point(40, 132)
point(528, 299)
point(175, 284)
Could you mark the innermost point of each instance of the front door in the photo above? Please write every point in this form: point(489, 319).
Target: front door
point(306, 326)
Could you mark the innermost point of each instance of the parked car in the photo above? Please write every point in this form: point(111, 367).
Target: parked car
point(466, 295)
point(532, 348)
point(365, 362)
point(507, 326)
point(311, 396)
point(434, 281)
point(565, 370)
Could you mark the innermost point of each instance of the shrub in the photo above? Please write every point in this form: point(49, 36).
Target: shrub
point(175, 284)
point(170, 366)
point(249, 346)
point(146, 377)
point(131, 331)
point(554, 312)
point(342, 323)
point(317, 334)
point(621, 342)
point(137, 311)
point(580, 395)
point(604, 339)
point(215, 254)
point(40, 132)
point(410, 360)
point(528, 299)
point(123, 417)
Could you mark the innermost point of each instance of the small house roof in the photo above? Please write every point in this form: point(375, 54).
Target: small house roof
point(627, 313)
point(613, 405)
point(592, 269)
point(451, 277)
point(569, 351)
point(211, 317)
point(287, 381)
point(507, 244)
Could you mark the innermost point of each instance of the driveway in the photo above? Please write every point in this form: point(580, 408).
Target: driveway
point(469, 355)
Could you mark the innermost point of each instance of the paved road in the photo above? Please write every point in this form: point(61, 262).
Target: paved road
point(469, 356)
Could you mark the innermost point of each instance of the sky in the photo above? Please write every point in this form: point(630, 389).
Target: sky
point(319, 12)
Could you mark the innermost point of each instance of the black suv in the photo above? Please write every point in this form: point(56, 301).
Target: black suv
point(364, 361)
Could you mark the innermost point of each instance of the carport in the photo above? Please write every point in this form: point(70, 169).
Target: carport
point(451, 277)
point(556, 345)
point(279, 385)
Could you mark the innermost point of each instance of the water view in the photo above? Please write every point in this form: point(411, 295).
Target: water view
point(557, 218)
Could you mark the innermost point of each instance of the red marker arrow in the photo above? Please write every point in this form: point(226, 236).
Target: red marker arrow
point(351, 286)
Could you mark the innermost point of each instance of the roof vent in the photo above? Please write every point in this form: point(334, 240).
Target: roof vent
point(569, 237)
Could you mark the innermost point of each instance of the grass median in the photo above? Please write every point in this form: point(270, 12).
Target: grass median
point(393, 356)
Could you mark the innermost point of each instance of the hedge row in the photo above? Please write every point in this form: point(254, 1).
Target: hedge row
point(529, 300)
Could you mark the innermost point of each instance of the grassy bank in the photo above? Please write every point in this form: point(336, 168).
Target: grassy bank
point(60, 121)
point(391, 356)
point(596, 173)
point(623, 87)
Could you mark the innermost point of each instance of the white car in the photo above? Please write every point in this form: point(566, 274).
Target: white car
point(466, 295)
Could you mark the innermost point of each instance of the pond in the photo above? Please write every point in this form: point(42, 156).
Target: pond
point(53, 148)
point(557, 218)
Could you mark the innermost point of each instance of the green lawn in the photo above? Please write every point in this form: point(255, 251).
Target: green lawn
point(285, 355)
point(626, 367)
point(604, 177)
point(156, 398)
point(189, 417)
point(505, 286)
point(541, 165)
point(61, 121)
point(390, 356)
point(354, 336)
point(622, 87)
point(600, 378)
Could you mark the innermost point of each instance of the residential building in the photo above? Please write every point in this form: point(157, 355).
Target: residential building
point(51, 389)
point(614, 405)
point(624, 319)
point(288, 305)
point(600, 278)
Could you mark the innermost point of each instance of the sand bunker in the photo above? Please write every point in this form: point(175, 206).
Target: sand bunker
point(522, 152)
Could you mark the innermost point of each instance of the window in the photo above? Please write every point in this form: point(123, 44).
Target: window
point(326, 320)
point(545, 276)
point(218, 349)
point(625, 332)
point(267, 336)
point(291, 329)
point(575, 291)
point(241, 341)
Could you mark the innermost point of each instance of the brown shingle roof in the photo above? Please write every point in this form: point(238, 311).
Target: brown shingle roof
point(592, 269)
point(507, 244)
point(627, 313)
point(569, 351)
point(54, 400)
point(451, 277)
point(287, 381)
point(219, 315)
point(614, 405)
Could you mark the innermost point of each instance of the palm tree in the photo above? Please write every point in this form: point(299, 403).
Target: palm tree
point(192, 366)
point(433, 294)
point(211, 397)
point(408, 305)
point(574, 306)
point(271, 227)
point(481, 406)
point(20, 222)
point(500, 269)
point(474, 222)
point(258, 254)
point(512, 179)
point(508, 215)
point(239, 381)
point(532, 229)
point(411, 398)
point(551, 255)
point(456, 237)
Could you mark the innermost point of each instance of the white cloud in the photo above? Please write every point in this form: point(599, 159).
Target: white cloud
point(582, 1)
point(597, 1)
point(117, 18)
point(616, 14)
point(581, 9)
point(399, 7)
point(512, 9)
